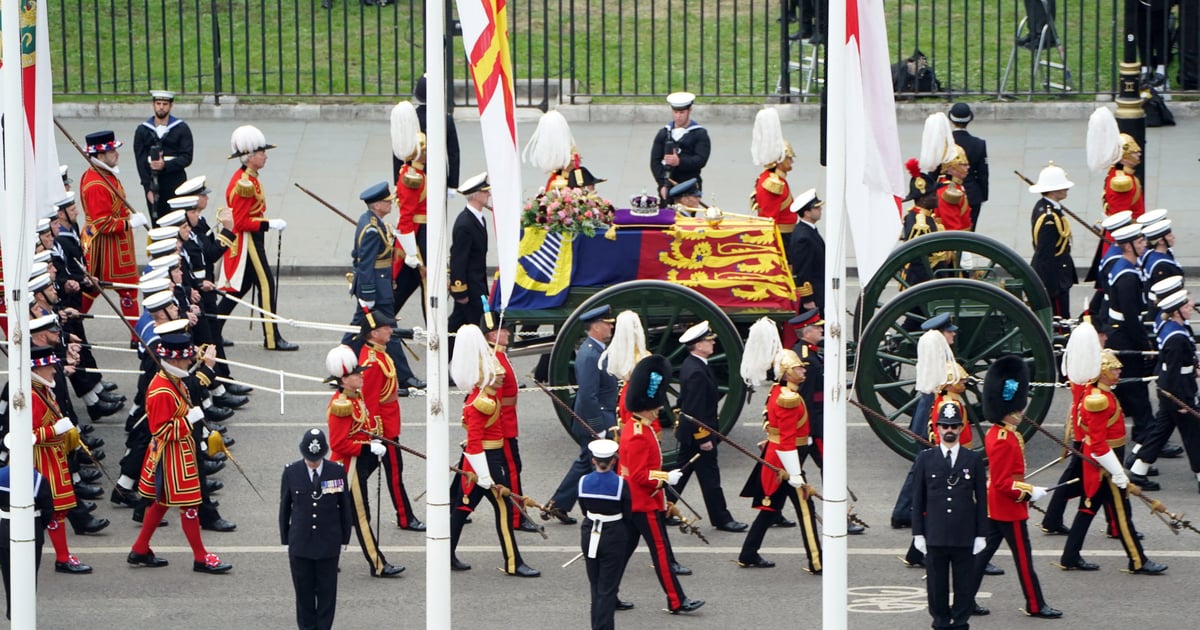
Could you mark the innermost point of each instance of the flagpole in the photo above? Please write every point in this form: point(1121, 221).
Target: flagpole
point(834, 574)
point(18, 255)
point(437, 433)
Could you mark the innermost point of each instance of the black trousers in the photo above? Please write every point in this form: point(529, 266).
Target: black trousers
point(1166, 420)
point(940, 563)
point(1053, 518)
point(919, 424)
point(708, 472)
point(1107, 493)
point(652, 528)
point(463, 501)
point(359, 473)
point(568, 489)
point(1016, 534)
point(393, 471)
point(315, 581)
point(806, 515)
point(606, 569)
point(408, 280)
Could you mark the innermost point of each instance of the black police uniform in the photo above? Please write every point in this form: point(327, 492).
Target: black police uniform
point(1052, 254)
point(315, 521)
point(698, 397)
point(606, 529)
point(176, 143)
point(976, 182)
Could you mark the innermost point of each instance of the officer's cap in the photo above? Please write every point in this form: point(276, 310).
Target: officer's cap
point(378, 192)
point(699, 332)
point(805, 200)
point(940, 322)
point(811, 317)
point(948, 413)
point(475, 184)
point(602, 313)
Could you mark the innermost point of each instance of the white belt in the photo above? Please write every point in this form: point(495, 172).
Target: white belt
point(1187, 370)
point(603, 518)
point(598, 521)
point(199, 275)
point(1117, 315)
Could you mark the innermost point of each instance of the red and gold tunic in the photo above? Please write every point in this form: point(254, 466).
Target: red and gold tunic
point(380, 387)
point(1131, 200)
point(1103, 425)
point(787, 429)
point(248, 206)
point(1008, 493)
point(410, 201)
point(557, 179)
point(508, 397)
point(953, 211)
point(965, 438)
point(350, 426)
point(50, 450)
point(169, 472)
point(772, 199)
point(638, 454)
point(107, 237)
point(485, 432)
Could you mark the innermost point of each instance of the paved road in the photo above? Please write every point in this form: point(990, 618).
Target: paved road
point(257, 594)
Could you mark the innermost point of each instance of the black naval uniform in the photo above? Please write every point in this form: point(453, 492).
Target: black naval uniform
point(813, 392)
point(315, 521)
point(806, 255)
point(698, 397)
point(1126, 302)
point(691, 144)
point(1177, 375)
point(203, 251)
point(468, 269)
point(175, 141)
point(1052, 254)
point(605, 531)
point(975, 184)
point(950, 511)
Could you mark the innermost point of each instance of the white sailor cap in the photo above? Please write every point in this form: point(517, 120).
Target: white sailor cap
point(67, 199)
point(45, 322)
point(153, 274)
point(40, 282)
point(1152, 216)
point(163, 233)
point(158, 248)
point(1157, 229)
point(63, 171)
point(162, 95)
point(177, 215)
point(43, 225)
point(158, 301)
point(184, 203)
point(1166, 286)
point(41, 257)
point(170, 261)
point(154, 285)
point(193, 186)
point(39, 268)
point(1116, 220)
point(1127, 234)
point(171, 327)
point(681, 100)
point(603, 448)
point(1173, 301)
point(699, 332)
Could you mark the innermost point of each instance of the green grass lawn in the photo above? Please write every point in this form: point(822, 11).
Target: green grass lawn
point(617, 49)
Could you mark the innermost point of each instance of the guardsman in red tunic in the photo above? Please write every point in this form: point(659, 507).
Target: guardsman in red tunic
point(108, 235)
point(498, 337)
point(1103, 426)
point(245, 262)
point(474, 366)
point(380, 394)
point(1005, 393)
point(939, 154)
point(1122, 188)
point(170, 475)
point(788, 429)
point(408, 143)
point(772, 198)
point(351, 427)
point(640, 460)
point(54, 436)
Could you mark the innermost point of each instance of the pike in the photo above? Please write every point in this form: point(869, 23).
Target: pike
point(229, 455)
point(878, 416)
point(1088, 226)
point(325, 203)
point(558, 402)
point(1182, 405)
point(686, 525)
point(88, 160)
point(1053, 463)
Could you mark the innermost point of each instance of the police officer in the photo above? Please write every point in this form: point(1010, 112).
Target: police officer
point(607, 527)
point(315, 520)
point(681, 147)
point(976, 182)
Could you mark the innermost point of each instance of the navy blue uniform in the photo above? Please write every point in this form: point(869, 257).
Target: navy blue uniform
point(1126, 303)
point(606, 530)
point(595, 402)
point(1177, 375)
point(315, 521)
point(698, 398)
point(692, 145)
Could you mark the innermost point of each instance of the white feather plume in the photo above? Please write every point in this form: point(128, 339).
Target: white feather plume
point(627, 347)
point(551, 147)
point(471, 364)
point(935, 361)
point(767, 145)
point(1081, 357)
point(1103, 140)
point(762, 344)
point(246, 138)
point(340, 360)
point(406, 130)
point(937, 143)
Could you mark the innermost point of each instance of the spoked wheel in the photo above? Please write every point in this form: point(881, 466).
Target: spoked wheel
point(1007, 269)
point(666, 310)
point(991, 323)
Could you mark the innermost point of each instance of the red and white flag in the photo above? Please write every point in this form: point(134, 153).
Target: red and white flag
point(875, 183)
point(485, 37)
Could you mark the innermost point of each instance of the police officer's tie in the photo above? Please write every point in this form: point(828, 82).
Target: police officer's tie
point(949, 460)
point(316, 482)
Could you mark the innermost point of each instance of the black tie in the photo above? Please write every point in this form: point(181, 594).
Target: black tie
point(316, 481)
point(949, 461)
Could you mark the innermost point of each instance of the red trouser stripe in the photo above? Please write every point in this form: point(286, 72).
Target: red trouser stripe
point(395, 486)
point(661, 563)
point(514, 478)
point(1024, 571)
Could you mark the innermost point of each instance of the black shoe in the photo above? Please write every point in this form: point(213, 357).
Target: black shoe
point(913, 564)
point(980, 611)
point(854, 529)
point(1144, 482)
point(107, 397)
point(414, 525)
point(216, 413)
point(283, 345)
point(566, 519)
point(102, 409)
point(238, 390)
point(415, 383)
point(673, 521)
point(687, 606)
point(900, 524)
point(992, 569)
point(229, 343)
point(760, 563)
point(1055, 530)
point(526, 571)
point(389, 571)
point(145, 560)
point(228, 440)
point(783, 521)
point(219, 525)
point(88, 491)
point(128, 498)
point(1152, 472)
point(230, 401)
point(1080, 565)
point(90, 526)
point(87, 506)
point(92, 443)
point(107, 386)
point(1171, 450)
point(211, 564)
point(89, 475)
point(527, 526)
point(213, 484)
point(1150, 567)
point(98, 455)
point(733, 526)
point(86, 429)
point(679, 569)
point(624, 605)
point(212, 467)
point(72, 565)
point(458, 565)
point(402, 392)
point(1047, 613)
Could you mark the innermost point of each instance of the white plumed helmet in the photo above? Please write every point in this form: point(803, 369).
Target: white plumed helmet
point(341, 361)
point(551, 147)
point(937, 143)
point(627, 347)
point(406, 130)
point(767, 145)
point(246, 140)
point(1103, 140)
point(762, 344)
point(472, 363)
point(1081, 357)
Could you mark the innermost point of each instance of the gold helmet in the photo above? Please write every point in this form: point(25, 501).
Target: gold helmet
point(786, 360)
point(959, 158)
point(1109, 360)
point(1129, 146)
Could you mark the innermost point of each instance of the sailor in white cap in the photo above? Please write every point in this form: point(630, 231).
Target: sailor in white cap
point(162, 148)
point(1126, 303)
point(604, 498)
point(1052, 238)
point(680, 148)
point(1159, 261)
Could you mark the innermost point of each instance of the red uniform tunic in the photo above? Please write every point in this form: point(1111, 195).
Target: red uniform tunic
point(350, 426)
point(1131, 200)
point(788, 429)
point(169, 472)
point(248, 206)
point(50, 450)
point(410, 200)
point(508, 398)
point(1008, 493)
point(485, 431)
point(557, 179)
point(638, 454)
point(107, 237)
point(379, 390)
point(773, 198)
point(1103, 425)
point(965, 437)
point(953, 216)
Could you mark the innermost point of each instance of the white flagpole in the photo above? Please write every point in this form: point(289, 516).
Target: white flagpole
point(437, 409)
point(834, 574)
point(18, 255)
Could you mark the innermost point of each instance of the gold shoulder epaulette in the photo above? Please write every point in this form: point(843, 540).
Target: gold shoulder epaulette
point(788, 399)
point(804, 352)
point(341, 407)
point(1121, 182)
point(774, 184)
point(412, 179)
point(953, 194)
point(1002, 435)
point(244, 187)
point(805, 289)
point(637, 428)
point(1095, 401)
point(484, 404)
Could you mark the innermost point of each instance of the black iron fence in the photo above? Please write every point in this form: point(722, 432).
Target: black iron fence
point(577, 50)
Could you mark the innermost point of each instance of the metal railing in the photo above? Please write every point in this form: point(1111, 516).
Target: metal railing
point(567, 50)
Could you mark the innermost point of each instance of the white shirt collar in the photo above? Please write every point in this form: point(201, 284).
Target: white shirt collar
point(701, 358)
point(809, 223)
point(953, 450)
point(478, 214)
point(320, 468)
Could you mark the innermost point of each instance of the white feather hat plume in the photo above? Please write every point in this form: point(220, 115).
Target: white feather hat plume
point(406, 130)
point(767, 145)
point(340, 361)
point(762, 344)
point(1103, 140)
point(934, 361)
point(627, 347)
point(937, 143)
point(551, 147)
point(472, 363)
point(1081, 357)
point(247, 138)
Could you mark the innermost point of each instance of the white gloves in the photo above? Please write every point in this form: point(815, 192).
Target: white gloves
point(919, 543)
point(377, 448)
point(1038, 493)
point(194, 415)
point(367, 303)
point(479, 464)
point(277, 224)
point(138, 220)
point(1111, 464)
point(791, 463)
point(62, 426)
point(412, 260)
point(980, 543)
point(412, 255)
point(674, 476)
